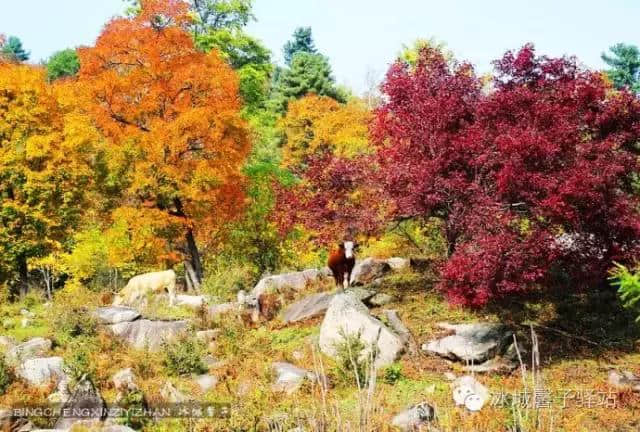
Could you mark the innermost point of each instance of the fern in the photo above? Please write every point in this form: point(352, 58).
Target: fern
point(628, 284)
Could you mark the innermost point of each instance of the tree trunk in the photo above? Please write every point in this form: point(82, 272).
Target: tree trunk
point(193, 262)
point(23, 276)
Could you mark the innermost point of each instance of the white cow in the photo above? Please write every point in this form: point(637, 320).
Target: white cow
point(139, 286)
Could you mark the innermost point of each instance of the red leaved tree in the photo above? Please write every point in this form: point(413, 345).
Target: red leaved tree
point(532, 177)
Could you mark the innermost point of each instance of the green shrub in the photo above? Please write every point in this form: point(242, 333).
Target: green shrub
point(352, 365)
point(184, 356)
point(628, 284)
point(77, 360)
point(69, 316)
point(132, 401)
point(393, 373)
point(6, 377)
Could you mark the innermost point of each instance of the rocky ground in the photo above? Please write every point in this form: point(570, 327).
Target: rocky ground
point(295, 355)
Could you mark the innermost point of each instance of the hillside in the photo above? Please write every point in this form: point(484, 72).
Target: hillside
point(580, 340)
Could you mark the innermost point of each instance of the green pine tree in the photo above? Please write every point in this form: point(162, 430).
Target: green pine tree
point(302, 42)
point(13, 50)
point(625, 66)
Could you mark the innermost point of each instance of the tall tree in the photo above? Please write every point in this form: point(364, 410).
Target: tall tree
point(175, 113)
point(318, 124)
point(13, 50)
point(531, 179)
point(625, 66)
point(309, 73)
point(302, 42)
point(47, 154)
point(326, 147)
point(63, 64)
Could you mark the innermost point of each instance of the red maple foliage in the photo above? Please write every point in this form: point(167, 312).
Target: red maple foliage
point(533, 177)
point(335, 198)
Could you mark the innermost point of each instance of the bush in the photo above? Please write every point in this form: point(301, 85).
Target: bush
point(69, 315)
point(628, 284)
point(352, 365)
point(6, 376)
point(77, 360)
point(515, 200)
point(184, 356)
point(393, 373)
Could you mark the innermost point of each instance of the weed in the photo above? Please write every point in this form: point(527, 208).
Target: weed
point(184, 356)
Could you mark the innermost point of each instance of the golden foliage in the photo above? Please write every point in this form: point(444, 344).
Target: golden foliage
point(172, 115)
point(319, 123)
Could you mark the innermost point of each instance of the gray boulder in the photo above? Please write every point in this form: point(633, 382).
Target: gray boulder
point(624, 380)
point(6, 343)
point(469, 392)
point(41, 371)
point(125, 380)
point(398, 263)
point(296, 281)
point(36, 347)
point(414, 417)
point(316, 304)
point(206, 382)
point(85, 404)
point(309, 307)
point(115, 314)
point(172, 395)
point(208, 336)
point(290, 377)
point(149, 334)
point(381, 299)
point(476, 342)
point(368, 270)
point(349, 316)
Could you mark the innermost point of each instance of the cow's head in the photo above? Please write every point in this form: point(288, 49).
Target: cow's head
point(349, 248)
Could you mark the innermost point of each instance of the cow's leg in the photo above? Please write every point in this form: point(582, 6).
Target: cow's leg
point(336, 277)
point(171, 288)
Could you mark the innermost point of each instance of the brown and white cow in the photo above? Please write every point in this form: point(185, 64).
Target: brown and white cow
point(341, 262)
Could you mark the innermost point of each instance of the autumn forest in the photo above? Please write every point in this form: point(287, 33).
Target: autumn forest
point(175, 142)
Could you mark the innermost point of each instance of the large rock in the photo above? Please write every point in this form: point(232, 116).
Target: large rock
point(290, 378)
point(36, 347)
point(316, 304)
point(469, 392)
point(6, 343)
point(206, 382)
point(125, 380)
point(368, 270)
point(85, 404)
point(172, 395)
point(476, 342)
point(41, 371)
point(309, 307)
point(399, 263)
point(381, 299)
point(624, 380)
point(149, 334)
point(349, 316)
point(414, 417)
point(296, 281)
point(116, 314)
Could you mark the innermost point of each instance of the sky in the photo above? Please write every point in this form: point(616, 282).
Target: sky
point(362, 37)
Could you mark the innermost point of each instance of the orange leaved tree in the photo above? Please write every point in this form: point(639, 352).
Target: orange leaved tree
point(173, 114)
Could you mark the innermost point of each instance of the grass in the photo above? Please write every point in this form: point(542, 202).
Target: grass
point(568, 363)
